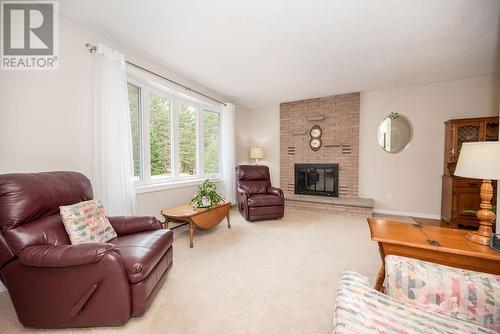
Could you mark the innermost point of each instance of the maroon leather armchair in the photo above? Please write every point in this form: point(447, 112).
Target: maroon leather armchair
point(257, 199)
point(54, 284)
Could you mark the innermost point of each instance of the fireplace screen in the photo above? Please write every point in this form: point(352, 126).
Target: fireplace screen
point(317, 179)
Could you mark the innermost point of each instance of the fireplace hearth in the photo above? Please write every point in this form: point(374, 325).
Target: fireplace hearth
point(317, 179)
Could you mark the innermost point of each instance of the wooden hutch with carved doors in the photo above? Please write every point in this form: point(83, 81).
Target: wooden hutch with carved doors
point(460, 196)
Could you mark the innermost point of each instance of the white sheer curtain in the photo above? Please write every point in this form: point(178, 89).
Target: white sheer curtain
point(113, 161)
point(228, 153)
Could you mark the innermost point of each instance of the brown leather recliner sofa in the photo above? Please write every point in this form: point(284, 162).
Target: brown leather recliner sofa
point(257, 199)
point(54, 284)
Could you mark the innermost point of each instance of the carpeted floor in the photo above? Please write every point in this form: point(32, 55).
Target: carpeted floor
point(266, 277)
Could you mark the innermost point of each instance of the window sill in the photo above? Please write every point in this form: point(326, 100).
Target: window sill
point(148, 188)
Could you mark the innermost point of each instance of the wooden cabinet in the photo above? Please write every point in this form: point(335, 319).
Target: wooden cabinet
point(459, 131)
point(460, 196)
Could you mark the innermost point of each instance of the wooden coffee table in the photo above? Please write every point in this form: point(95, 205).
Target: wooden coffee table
point(437, 244)
point(205, 218)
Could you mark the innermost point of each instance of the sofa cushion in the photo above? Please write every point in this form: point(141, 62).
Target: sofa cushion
point(142, 251)
point(264, 200)
point(87, 222)
point(459, 293)
point(361, 309)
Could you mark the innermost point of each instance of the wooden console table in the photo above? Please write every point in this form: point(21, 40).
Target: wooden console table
point(436, 244)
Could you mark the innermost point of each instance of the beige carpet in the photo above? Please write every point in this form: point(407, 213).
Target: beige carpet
point(266, 277)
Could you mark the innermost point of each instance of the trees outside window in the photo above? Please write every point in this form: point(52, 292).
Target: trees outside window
point(187, 140)
point(211, 137)
point(134, 98)
point(159, 135)
point(172, 138)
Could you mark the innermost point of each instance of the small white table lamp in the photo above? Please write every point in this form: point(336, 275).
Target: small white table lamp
point(256, 153)
point(481, 160)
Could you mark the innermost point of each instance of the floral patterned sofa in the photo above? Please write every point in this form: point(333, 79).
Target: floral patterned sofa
point(420, 297)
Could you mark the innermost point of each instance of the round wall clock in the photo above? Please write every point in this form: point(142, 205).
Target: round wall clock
point(315, 132)
point(315, 144)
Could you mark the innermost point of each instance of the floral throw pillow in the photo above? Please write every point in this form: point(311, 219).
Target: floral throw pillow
point(86, 222)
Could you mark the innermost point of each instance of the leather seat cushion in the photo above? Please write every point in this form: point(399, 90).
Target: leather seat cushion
point(141, 252)
point(264, 200)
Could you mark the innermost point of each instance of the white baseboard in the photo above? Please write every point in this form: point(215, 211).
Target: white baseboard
point(407, 213)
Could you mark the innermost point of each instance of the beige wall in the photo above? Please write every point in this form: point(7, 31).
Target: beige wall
point(413, 177)
point(265, 132)
point(242, 136)
point(46, 117)
point(410, 182)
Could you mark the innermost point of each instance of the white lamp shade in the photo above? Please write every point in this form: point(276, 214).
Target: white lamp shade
point(256, 152)
point(479, 160)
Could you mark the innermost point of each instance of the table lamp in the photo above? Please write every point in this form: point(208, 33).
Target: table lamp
point(481, 160)
point(256, 153)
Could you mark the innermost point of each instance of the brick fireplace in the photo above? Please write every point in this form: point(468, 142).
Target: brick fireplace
point(338, 118)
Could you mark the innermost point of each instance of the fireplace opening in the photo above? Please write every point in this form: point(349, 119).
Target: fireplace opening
point(317, 179)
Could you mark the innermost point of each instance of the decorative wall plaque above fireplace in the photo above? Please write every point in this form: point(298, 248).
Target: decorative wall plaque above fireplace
point(317, 179)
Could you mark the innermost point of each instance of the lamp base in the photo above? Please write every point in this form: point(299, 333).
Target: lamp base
point(478, 239)
point(485, 215)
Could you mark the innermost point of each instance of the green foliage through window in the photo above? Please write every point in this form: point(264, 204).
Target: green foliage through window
point(187, 140)
point(134, 98)
point(159, 135)
point(211, 134)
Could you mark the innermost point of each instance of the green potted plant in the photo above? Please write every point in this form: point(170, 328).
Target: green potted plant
point(206, 196)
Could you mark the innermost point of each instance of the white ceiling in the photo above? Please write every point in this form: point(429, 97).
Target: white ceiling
point(262, 52)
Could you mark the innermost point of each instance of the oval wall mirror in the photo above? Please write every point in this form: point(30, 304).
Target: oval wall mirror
point(394, 133)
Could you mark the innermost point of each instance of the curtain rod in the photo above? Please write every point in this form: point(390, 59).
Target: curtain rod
point(93, 49)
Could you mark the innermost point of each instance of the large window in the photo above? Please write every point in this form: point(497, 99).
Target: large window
point(173, 139)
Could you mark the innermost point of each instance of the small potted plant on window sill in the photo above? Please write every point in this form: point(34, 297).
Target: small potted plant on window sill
point(206, 196)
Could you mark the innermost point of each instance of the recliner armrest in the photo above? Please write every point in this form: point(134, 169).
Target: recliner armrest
point(134, 224)
point(243, 192)
point(64, 255)
point(275, 191)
